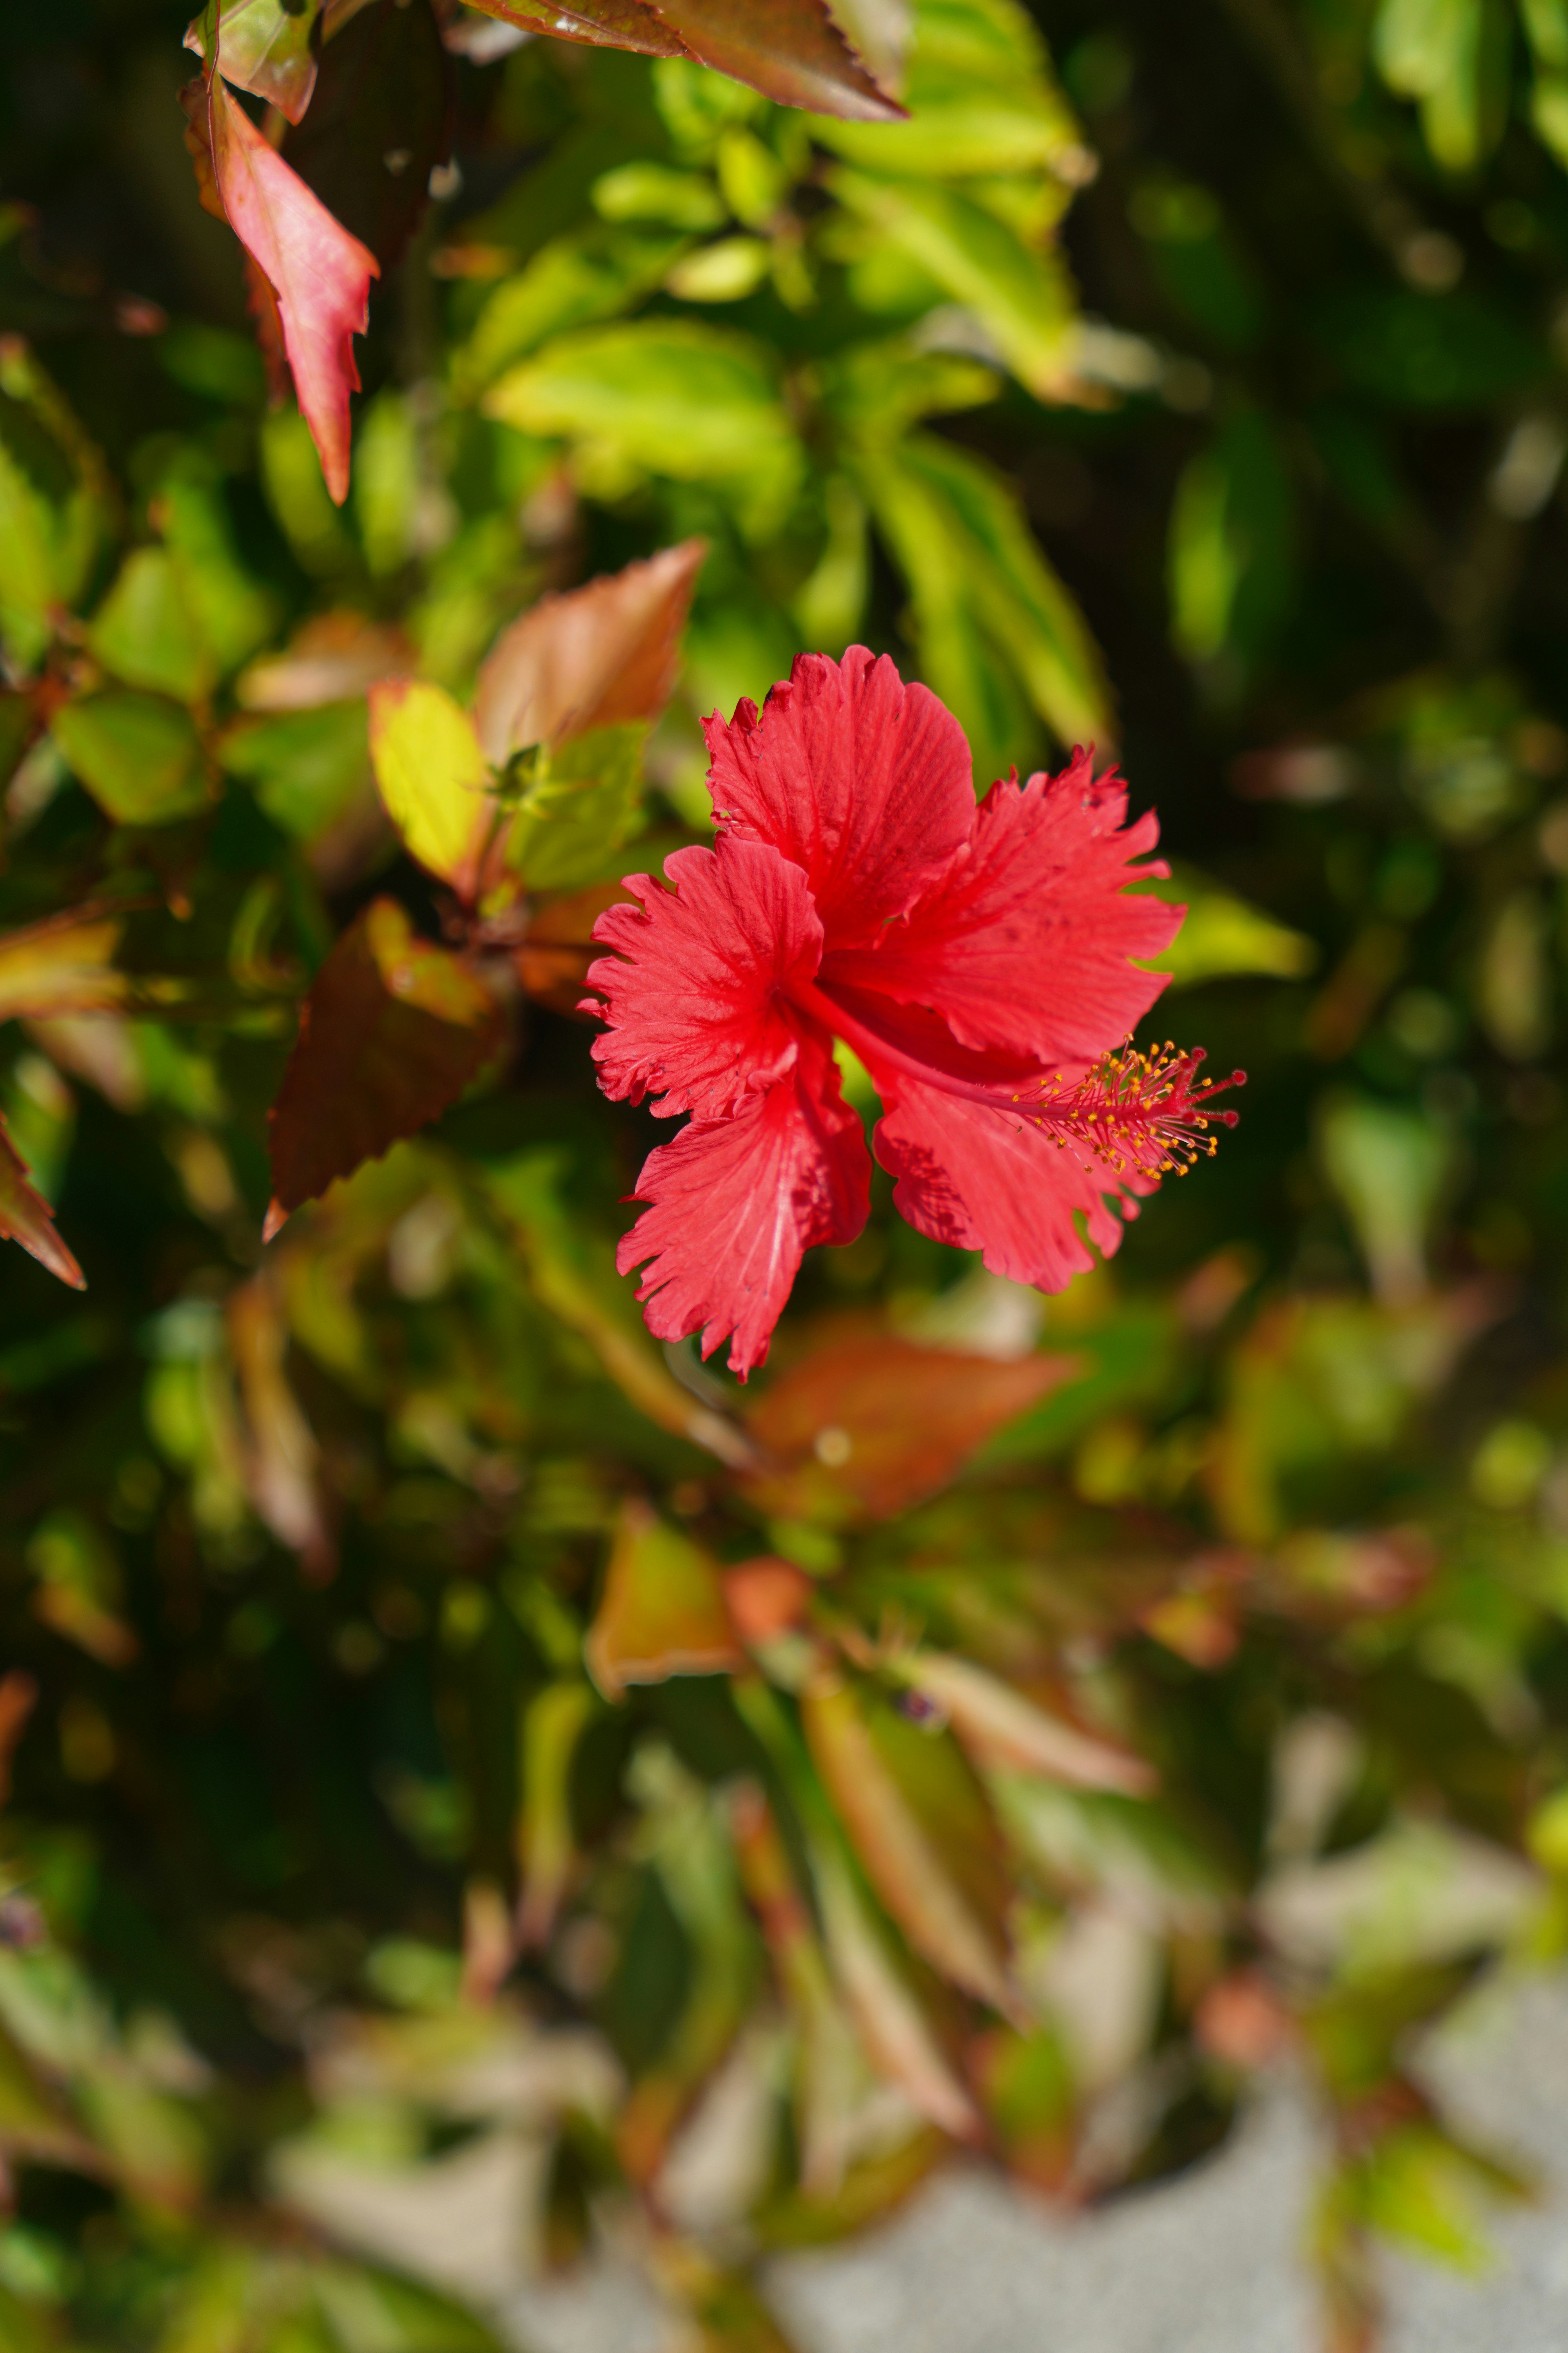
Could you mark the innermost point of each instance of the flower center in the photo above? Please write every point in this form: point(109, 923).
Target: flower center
point(1143, 1112)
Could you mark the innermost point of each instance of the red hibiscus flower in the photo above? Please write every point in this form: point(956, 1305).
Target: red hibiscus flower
point(978, 959)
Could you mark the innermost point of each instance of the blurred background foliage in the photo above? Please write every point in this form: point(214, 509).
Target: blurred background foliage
point(475, 1781)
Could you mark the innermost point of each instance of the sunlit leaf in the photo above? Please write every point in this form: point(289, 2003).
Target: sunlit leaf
point(434, 779)
point(393, 1031)
point(144, 633)
point(602, 655)
point(1221, 935)
point(319, 274)
point(1021, 295)
point(669, 396)
point(982, 587)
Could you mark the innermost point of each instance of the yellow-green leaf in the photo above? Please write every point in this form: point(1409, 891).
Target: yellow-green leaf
point(433, 776)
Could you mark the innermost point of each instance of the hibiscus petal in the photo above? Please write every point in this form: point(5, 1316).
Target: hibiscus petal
point(1023, 945)
point(319, 273)
point(693, 1008)
point(863, 781)
point(989, 1180)
point(734, 1204)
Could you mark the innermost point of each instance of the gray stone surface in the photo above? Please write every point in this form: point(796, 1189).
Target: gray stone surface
point(1208, 2263)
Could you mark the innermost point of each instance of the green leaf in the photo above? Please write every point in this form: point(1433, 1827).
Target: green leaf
point(233, 611)
point(653, 192)
point(669, 395)
point(1231, 551)
point(1224, 937)
point(138, 755)
point(1456, 352)
point(1452, 57)
point(1389, 1166)
point(874, 392)
point(975, 569)
point(53, 502)
point(982, 101)
point(570, 825)
point(1021, 295)
point(434, 779)
point(577, 280)
point(267, 47)
point(26, 563)
point(305, 767)
point(144, 632)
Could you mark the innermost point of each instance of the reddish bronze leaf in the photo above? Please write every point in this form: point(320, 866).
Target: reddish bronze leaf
point(26, 1218)
point(602, 655)
point(789, 49)
point(551, 963)
point(391, 1032)
point(867, 1423)
point(317, 273)
point(601, 24)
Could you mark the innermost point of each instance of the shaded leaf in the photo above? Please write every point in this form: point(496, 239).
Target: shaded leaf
point(662, 1610)
point(307, 768)
point(553, 1724)
point(551, 965)
point(899, 1857)
point(379, 123)
point(602, 655)
point(63, 964)
point(267, 48)
point(138, 755)
point(318, 273)
point(572, 1273)
point(391, 1032)
point(1001, 1728)
point(893, 2029)
point(282, 1460)
point(145, 632)
point(867, 1423)
point(26, 1218)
